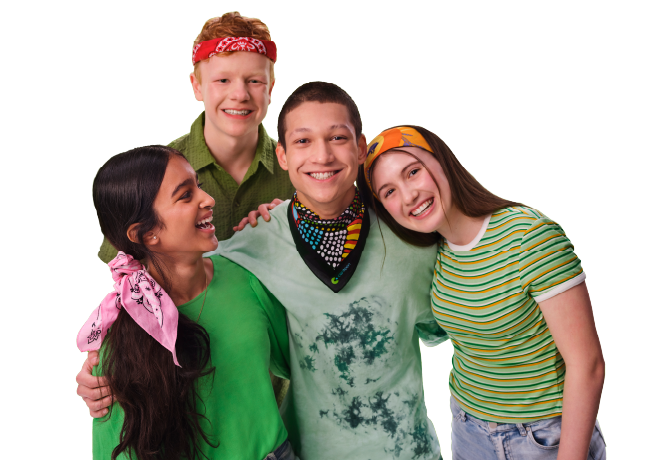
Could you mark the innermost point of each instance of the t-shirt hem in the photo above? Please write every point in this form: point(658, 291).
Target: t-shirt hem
point(484, 417)
point(565, 286)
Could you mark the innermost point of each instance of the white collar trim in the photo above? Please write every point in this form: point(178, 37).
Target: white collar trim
point(475, 241)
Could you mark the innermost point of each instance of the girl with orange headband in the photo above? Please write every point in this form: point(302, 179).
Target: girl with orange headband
point(510, 292)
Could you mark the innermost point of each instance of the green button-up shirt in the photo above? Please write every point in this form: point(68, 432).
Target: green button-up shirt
point(263, 182)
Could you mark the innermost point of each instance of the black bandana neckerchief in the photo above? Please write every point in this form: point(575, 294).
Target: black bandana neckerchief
point(331, 248)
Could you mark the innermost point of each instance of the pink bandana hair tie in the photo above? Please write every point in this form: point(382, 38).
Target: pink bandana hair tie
point(144, 300)
point(205, 50)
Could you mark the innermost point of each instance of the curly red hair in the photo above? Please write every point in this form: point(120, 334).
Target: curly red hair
point(233, 25)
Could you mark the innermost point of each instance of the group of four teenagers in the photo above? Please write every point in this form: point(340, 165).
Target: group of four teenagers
point(333, 293)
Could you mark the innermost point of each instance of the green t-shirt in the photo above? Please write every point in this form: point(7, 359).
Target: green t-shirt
point(248, 332)
point(356, 389)
point(506, 366)
point(263, 182)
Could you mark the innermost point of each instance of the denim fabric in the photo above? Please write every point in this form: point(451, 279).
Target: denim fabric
point(472, 438)
point(284, 452)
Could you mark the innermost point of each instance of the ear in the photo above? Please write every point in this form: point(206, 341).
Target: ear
point(362, 149)
point(149, 239)
point(281, 156)
point(197, 87)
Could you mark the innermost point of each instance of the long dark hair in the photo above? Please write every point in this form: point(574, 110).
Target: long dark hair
point(467, 194)
point(159, 399)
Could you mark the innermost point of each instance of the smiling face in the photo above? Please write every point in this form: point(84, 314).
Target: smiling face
point(185, 211)
point(322, 156)
point(235, 90)
point(407, 190)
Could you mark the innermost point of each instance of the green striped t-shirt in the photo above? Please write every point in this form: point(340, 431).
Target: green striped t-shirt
point(506, 366)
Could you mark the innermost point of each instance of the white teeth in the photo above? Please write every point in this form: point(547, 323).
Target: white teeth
point(201, 222)
point(322, 176)
point(422, 207)
point(236, 112)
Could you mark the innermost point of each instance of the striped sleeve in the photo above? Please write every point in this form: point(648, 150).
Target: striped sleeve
point(548, 266)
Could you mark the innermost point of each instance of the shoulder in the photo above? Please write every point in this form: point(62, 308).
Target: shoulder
point(255, 240)
point(538, 231)
point(381, 234)
point(180, 144)
point(184, 143)
point(227, 271)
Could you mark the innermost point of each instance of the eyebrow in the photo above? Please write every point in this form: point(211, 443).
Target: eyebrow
point(341, 125)
point(402, 169)
point(186, 182)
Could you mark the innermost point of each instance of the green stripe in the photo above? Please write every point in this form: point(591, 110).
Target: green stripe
point(501, 292)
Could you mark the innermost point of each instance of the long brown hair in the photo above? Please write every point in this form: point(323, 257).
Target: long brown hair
point(159, 399)
point(467, 194)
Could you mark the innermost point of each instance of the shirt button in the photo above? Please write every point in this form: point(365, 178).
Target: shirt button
point(237, 204)
point(492, 425)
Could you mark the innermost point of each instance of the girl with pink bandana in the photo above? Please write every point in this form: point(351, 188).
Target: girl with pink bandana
point(187, 363)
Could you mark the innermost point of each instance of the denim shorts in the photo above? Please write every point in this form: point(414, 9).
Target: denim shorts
point(284, 452)
point(473, 438)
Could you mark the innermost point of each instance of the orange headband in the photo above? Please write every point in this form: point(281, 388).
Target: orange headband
point(401, 136)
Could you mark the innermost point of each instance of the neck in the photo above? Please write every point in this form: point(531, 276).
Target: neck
point(233, 154)
point(329, 210)
point(459, 229)
point(186, 273)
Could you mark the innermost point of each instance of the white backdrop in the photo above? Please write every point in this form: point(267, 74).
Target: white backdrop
point(554, 104)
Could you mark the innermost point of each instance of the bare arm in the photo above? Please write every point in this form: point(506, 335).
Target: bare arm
point(571, 322)
point(262, 211)
point(94, 390)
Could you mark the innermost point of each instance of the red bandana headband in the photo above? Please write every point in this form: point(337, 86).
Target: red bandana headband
point(205, 50)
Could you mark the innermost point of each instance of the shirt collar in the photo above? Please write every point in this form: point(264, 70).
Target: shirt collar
point(200, 155)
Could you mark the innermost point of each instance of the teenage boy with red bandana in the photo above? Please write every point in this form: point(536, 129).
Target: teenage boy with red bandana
point(228, 146)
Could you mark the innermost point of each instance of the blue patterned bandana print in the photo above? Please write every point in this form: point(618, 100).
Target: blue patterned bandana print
point(332, 239)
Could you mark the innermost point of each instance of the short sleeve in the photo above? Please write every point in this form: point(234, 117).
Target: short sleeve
point(548, 265)
point(278, 333)
point(431, 333)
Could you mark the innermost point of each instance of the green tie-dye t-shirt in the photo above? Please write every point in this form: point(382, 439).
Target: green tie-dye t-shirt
point(356, 374)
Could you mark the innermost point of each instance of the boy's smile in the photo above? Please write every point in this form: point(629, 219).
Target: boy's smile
point(322, 156)
point(236, 92)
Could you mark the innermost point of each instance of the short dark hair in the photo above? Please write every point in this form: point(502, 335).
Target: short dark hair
point(319, 91)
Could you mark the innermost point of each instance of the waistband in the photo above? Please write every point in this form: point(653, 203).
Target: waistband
point(283, 452)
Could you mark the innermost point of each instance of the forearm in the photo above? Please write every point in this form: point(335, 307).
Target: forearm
point(582, 389)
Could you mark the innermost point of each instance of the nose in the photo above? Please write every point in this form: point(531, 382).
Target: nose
point(239, 91)
point(207, 200)
point(323, 153)
point(409, 195)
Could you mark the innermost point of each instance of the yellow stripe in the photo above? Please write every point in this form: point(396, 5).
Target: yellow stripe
point(545, 332)
point(554, 414)
point(519, 356)
point(509, 221)
point(474, 308)
point(350, 245)
point(536, 377)
point(478, 292)
point(500, 240)
point(479, 276)
point(551, 269)
point(481, 322)
point(498, 254)
point(354, 227)
point(541, 242)
point(512, 392)
point(353, 237)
